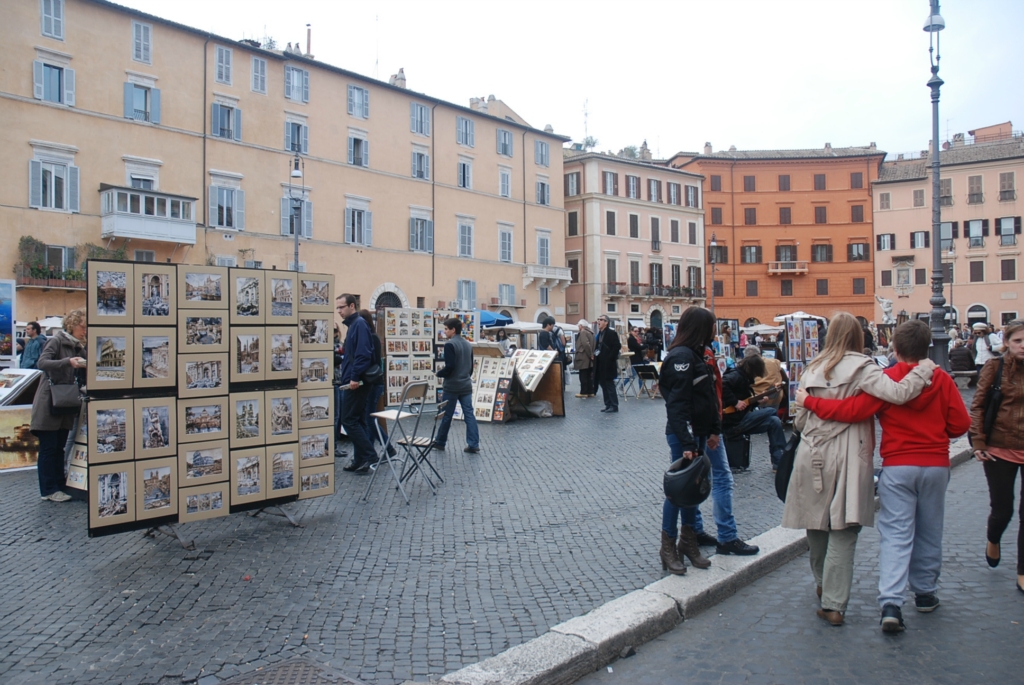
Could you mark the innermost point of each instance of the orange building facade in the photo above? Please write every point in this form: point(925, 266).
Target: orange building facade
point(792, 230)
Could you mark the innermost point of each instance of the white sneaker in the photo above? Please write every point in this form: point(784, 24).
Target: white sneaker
point(59, 497)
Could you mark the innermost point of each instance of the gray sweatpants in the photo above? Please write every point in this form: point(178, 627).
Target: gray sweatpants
point(912, 499)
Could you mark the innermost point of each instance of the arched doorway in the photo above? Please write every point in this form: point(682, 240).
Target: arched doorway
point(388, 299)
point(752, 321)
point(976, 313)
point(656, 319)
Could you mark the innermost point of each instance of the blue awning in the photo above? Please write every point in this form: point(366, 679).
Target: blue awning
point(488, 319)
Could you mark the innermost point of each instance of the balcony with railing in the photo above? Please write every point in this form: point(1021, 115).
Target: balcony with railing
point(1007, 239)
point(786, 268)
point(141, 115)
point(945, 200)
point(547, 276)
point(615, 289)
point(975, 198)
point(147, 215)
point(636, 289)
point(655, 246)
point(1007, 195)
point(48, 277)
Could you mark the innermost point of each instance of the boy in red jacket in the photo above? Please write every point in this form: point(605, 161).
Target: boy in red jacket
point(915, 472)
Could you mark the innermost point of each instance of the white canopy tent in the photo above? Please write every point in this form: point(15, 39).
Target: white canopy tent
point(762, 329)
point(799, 315)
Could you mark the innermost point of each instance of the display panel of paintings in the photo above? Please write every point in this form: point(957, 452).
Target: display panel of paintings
point(111, 355)
point(316, 293)
point(78, 477)
point(796, 351)
point(532, 366)
point(203, 502)
point(203, 419)
point(282, 354)
point(315, 333)
point(281, 416)
point(156, 294)
point(156, 433)
point(111, 430)
point(316, 408)
point(200, 463)
point(796, 371)
point(80, 455)
point(247, 419)
point(82, 431)
point(202, 287)
point(203, 331)
point(316, 370)
point(156, 351)
point(248, 346)
point(157, 491)
point(248, 297)
point(794, 331)
point(248, 475)
point(316, 482)
point(469, 324)
point(397, 347)
point(202, 375)
point(810, 329)
point(316, 447)
point(810, 349)
point(111, 295)
point(281, 291)
point(409, 323)
point(111, 494)
point(283, 470)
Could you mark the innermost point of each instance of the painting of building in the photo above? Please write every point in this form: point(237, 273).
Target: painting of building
point(281, 300)
point(156, 483)
point(313, 331)
point(156, 294)
point(202, 463)
point(111, 293)
point(155, 357)
point(281, 415)
point(202, 287)
point(203, 419)
point(248, 291)
point(110, 351)
point(314, 446)
point(247, 419)
point(203, 374)
point(112, 494)
point(204, 330)
point(207, 501)
point(316, 481)
point(281, 350)
point(314, 408)
point(248, 355)
point(282, 470)
point(247, 470)
point(155, 427)
point(314, 370)
point(111, 427)
point(316, 292)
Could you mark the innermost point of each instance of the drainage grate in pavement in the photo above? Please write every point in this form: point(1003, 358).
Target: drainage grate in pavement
point(293, 672)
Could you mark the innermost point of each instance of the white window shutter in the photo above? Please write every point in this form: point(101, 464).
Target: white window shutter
point(366, 153)
point(547, 194)
point(414, 165)
point(35, 183)
point(412, 105)
point(351, 150)
point(69, 87)
point(285, 216)
point(305, 140)
point(129, 100)
point(307, 219)
point(238, 123)
point(429, 232)
point(367, 228)
point(213, 203)
point(499, 142)
point(472, 133)
point(460, 133)
point(37, 79)
point(413, 242)
point(472, 294)
point(145, 43)
point(349, 232)
point(351, 104)
point(215, 118)
point(287, 136)
point(426, 166)
point(138, 41)
point(288, 82)
point(240, 210)
point(154, 105)
point(366, 104)
point(305, 86)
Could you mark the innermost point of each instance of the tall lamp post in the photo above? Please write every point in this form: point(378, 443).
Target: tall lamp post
point(296, 166)
point(713, 255)
point(940, 339)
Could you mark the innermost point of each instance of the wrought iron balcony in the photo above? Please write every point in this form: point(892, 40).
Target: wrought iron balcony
point(547, 276)
point(655, 246)
point(975, 198)
point(147, 215)
point(1007, 195)
point(615, 289)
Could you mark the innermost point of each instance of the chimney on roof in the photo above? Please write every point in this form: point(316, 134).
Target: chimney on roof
point(707, 148)
point(398, 79)
point(958, 139)
point(899, 157)
point(491, 98)
point(732, 148)
point(872, 146)
point(309, 41)
point(828, 147)
point(645, 152)
point(548, 128)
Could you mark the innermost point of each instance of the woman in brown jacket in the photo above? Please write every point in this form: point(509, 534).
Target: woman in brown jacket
point(1002, 452)
point(583, 359)
point(62, 357)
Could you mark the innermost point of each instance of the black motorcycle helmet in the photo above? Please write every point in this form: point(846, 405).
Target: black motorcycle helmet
point(688, 482)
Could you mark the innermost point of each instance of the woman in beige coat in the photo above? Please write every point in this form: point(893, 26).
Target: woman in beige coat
point(583, 360)
point(831, 492)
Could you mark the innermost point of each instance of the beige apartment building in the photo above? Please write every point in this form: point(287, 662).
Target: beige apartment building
point(634, 237)
point(980, 230)
point(128, 134)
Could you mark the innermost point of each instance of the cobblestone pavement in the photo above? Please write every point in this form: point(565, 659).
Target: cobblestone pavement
point(768, 632)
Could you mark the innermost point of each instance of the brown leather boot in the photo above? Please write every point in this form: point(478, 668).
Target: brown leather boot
point(670, 560)
point(689, 548)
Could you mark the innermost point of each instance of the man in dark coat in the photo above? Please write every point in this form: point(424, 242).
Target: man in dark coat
point(606, 354)
point(746, 417)
point(357, 359)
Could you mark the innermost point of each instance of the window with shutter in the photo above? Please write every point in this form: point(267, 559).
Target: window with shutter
point(785, 253)
point(975, 194)
point(223, 74)
point(716, 216)
point(358, 102)
point(572, 184)
point(543, 193)
point(464, 132)
point(920, 276)
point(1006, 228)
point(676, 275)
point(821, 215)
point(858, 286)
point(609, 223)
point(716, 182)
point(822, 286)
point(821, 252)
point(53, 19)
point(1008, 269)
point(886, 278)
point(884, 200)
point(673, 229)
point(857, 214)
point(786, 287)
point(750, 216)
point(977, 272)
point(784, 182)
point(141, 43)
point(856, 179)
point(611, 267)
point(504, 143)
point(505, 182)
point(259, 75)
point(858, 252)
point(634, 225)
point(751, 288)
point(692, 196)
point(785, 215)
point(465, 174)
point(819, 182)
point(420, 165)
point(919, 198)
point(541, 153)
point(1007, 192)
point(749, 184)
point(465, 239)
point(53, 185)
point(945, 192)
point(505, 245)
point(691, 230)
point(947, 236)
point(572, 221)
point(975, 233)
point(718, 288)
point(53, 83)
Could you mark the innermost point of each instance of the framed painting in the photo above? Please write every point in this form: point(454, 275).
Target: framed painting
point(80, 455)
point(281, 420)
point(316, 293)
point(156, 294)
point(111, 357)
point(111, 494)
point(203, 418)
point(111, 431)
point(315, 333)
point(281, 363)
point(203, 502)
point(282, 307)
point(156, 493)
point(247, 419)
point(283, 470)
point(202, 375)
point(316, 482)
point(156, 422)
point(203, 331)
point(316, 370)
point(78, 477)
point(316, 447)
point(316, 408)
point(82, 431)
point(248, 297)
point(248, 354)
point(200, 463)
point(248, 475)
point(202, 287)
point(156, 351)
point(111, 295)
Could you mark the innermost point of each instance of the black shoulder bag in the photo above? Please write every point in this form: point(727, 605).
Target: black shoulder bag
point(993, 398)
point(65, 398)
point(785, 467)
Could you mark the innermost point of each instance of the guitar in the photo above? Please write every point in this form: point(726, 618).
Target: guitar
point(754, 400)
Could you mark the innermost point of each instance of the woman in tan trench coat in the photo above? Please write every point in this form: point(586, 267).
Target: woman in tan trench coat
point(831, 492)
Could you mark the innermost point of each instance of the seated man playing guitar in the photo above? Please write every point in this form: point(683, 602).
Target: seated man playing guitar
point(740, 413)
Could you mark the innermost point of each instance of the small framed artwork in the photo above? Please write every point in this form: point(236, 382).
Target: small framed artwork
point(248, 475)
point(156, 294)
point(316, 370)
point(203, 331)
point(248, 354)
point(80, 455)
point(203, 418)
point(111, 494)
point(247, 419)
point(202, 375)
point(202, 287)
point(111, 430)
point(111, 295)
point(282, 307)
point(281, 422)
point(315, 333)
point(156, 493)
point(156, 351)
point(78, 477)
point(200, 463)
point(283, 357)
point(316, 293)
point(316, 482)
point(111, 353)
point(316, 447)
point(316, 408)
point(248, 297)
point(283, 470)
point(156, 433)
point(82, 432)
point(203, 502)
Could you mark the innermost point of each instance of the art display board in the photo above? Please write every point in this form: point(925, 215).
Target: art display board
point(668, 334)
point(111, 295)
point(8, 315)
point(492, 382)
point(409, 349)
point(19, 448)
point(801, 348)
point(533, 365)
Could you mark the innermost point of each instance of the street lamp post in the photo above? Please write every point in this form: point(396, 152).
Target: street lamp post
point(940, 339)
point(296, 173)
point(713, 255)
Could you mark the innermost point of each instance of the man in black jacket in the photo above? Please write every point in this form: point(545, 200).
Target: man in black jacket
point(746, 418)
point(606, 356)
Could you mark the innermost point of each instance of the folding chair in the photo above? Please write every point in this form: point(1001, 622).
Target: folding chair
point(410, 407)
point(647, 380)
point(627, 379)
point(419, 448)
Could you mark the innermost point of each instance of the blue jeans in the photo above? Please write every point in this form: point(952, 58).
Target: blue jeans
point(764, 420)
point(371, 406)
point(50, 465)
point(721, 494)
point(472, 430)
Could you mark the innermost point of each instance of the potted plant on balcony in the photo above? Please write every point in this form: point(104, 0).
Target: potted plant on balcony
point(31, 268)
point(74, 279)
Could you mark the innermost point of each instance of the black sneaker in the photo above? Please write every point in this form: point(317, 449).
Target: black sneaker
point(438, 446)
point(705, 540)
point(352, 467)
point(737, 547)
point(892, 619)
point(926, 603)
point(363, 468)
point(472, 450)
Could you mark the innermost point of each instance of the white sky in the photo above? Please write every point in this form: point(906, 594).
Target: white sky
point(752, 73)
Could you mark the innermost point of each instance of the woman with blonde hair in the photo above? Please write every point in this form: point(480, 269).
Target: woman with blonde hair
point(831, 492)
